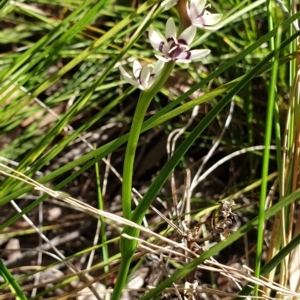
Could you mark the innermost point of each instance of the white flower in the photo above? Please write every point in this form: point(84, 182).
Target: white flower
point(167, 4)
point(202, 18)
point(174, 49)
point(143, 76)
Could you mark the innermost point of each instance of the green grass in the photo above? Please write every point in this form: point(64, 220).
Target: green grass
point(69, 123)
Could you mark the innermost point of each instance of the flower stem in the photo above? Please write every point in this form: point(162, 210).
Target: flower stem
point(134, 134)
point(135, 131)
point(184, 20)
point(128, 246)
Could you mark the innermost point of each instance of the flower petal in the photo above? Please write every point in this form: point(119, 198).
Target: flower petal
point(171, 29)
point(183, 61)
point(209, 19)
point(127, 77)
point(184, 57)
point(188, 35)
point(136, 67)
point(199, 5)
point(192, 11)
point(123, 72)
point(163, 59)
point(155, 39)
point(145, 77)
point(198, 54)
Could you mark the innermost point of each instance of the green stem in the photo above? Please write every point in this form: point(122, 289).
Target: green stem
point(133, 138)
point(266, 159)
point(127, 246)
point(12, 283)
point(135, 131)
point(122, 278)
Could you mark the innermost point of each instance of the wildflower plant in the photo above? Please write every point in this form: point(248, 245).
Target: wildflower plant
point(173, 48)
